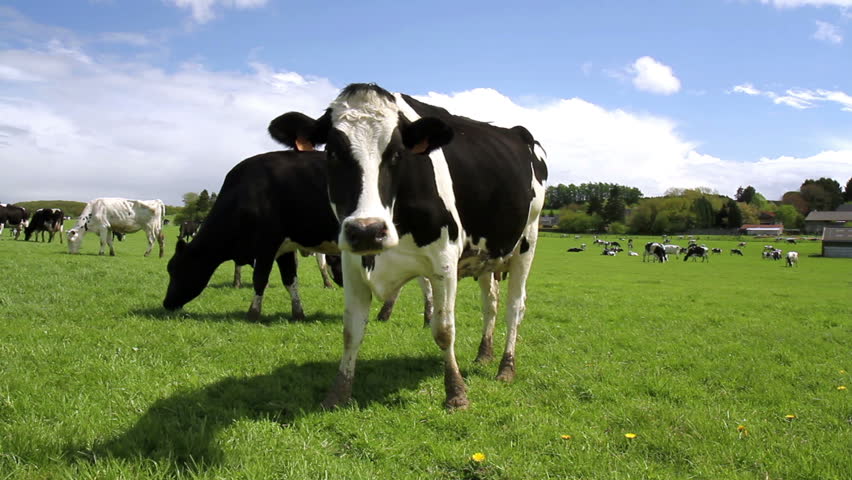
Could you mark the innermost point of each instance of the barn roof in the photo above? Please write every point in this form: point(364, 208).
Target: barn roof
point(837, 235)
point(752, 226)
point(829, 217)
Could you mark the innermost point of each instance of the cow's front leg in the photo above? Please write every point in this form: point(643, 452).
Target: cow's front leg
point(103, 244)
point(323, 268)
point(357, 296)
point(489, 290)
point(444, 333)
point(238, 278)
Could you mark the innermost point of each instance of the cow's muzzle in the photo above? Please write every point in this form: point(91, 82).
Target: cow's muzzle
point(366, 235)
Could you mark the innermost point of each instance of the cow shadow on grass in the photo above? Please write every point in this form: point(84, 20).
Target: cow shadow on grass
point(267, 318)
point(181, 430)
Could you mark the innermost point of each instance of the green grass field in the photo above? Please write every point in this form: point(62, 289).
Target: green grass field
point(702, 362)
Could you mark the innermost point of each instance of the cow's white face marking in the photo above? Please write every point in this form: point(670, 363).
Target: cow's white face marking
point(368, 122)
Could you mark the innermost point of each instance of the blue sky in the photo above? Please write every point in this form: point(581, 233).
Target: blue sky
point(153, 99)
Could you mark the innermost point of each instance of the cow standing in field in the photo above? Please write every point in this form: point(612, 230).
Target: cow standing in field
point(270, 207)
point(50, 220)
point(421, 192)
point(14, 217)
point(188, 229)
point(792, 259)
point(102, 216)
point(656, 251)
point(736, 251)
point(696, 251)
point(672, 249)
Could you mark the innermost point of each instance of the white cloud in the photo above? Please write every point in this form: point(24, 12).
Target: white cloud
point(587, 143)
point(203, 10)
point(800, 99)
point(127, 38)
point(652, 76)
point(808, 3)
point(827, 32)
point(77, 126)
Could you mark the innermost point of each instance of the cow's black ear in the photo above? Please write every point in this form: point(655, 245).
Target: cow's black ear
point(299, 131)
point(180, 246)
point(426, 135)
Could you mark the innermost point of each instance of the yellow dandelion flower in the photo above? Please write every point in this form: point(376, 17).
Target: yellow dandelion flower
point(631, 436)
point(842, 387)
point(842, 372)
point(790, 417)
point(566, 437)
point(741, 428)
point(478, 457)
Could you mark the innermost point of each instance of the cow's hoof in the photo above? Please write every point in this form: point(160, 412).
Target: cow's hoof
point(253, 315)
point(297, 317)
point(340, 393)
point(459, 402)
point(486, 352)
point(506, 373)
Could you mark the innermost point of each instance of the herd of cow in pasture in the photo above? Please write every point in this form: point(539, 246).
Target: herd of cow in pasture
point(661, 251)
point(401, 191)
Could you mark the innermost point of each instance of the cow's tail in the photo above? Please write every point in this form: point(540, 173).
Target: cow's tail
point(539, 166)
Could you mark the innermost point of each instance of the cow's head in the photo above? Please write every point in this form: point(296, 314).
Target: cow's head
point(75, 240)
point(367, 139)
point(189, 273)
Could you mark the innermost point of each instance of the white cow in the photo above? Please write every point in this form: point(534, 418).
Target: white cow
point(792, 259)
point(672, 249)
point(103, 216)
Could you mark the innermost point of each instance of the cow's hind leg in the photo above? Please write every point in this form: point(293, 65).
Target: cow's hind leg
point(323, 268)
point(238, 278)
point(428, 306)
point(161, 241)
point(288, 265)
point(489, 290)
point(519, 270)
point(151, 239)
point(357, 298)
point(260, 278)
point(387, 307)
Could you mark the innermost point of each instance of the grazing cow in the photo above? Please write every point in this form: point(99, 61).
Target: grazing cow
point(575, 249)
point(615, 244)
point(102, 216)
point(742, 244)
point(435, 194)
point(792, 259)
point(791, 240)
point(13, 216)
point(736, 251)
point(696, 251)
point(48, 220)
point(776, 254)
point(632, 253)
point(188, 229)
point(656, 251)
point(717, 251)
point(280, 201)
point(672, 249)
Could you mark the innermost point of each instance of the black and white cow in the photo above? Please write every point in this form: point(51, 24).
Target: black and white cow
point(696, 251)
point(279, 204)
point(188, 229)
point(421, 192)
point(792, 259)
point(656, 251)
point(736, 251)
point(48, 220)
point(717, 251)
point(14, 217)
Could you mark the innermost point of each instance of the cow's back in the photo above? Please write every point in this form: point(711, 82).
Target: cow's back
point(266, 199)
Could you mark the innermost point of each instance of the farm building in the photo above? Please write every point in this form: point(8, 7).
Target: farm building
point(816, 221)
point(837, 242)
point(754, 229)
point(546, 222)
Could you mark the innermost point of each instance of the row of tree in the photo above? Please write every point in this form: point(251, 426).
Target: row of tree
point(196, 206)
point(561, 195)
point(620, 210)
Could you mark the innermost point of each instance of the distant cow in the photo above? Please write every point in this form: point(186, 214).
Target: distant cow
point(792, 259)
point(696, 251)
point(188, 229)
point(13, 216)
point(672, 249)
point(791, 240)
point(280, 200)
point(656, 251)
point(48, 220)
point(575, 249)
point(717, 251)
point(736, 251)
point(102, 216)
